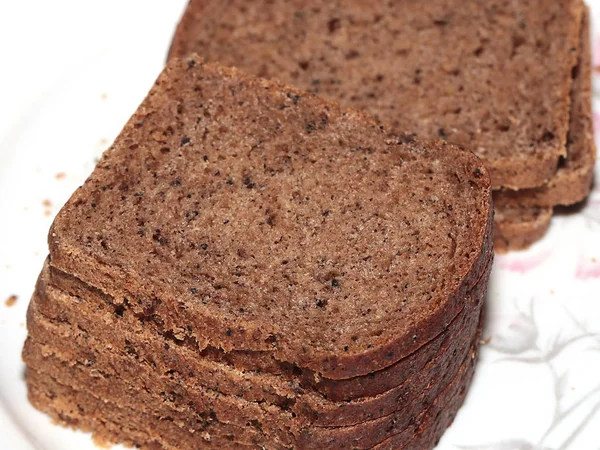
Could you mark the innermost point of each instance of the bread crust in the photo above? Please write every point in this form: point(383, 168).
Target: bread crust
point(121, 396)
point(373, 384)
point(573, 179)
point(358, 53)
point(51, 307)
point(76, 407)
point(97, 260)
point(519, 228)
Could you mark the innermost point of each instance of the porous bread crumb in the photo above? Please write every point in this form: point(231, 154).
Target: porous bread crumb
point(485, 341)
point(101, 442)
point(142, 198)
point(10, 301)
point(471, 73)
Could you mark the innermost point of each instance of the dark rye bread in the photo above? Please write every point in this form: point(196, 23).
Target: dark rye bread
point(475, 73)
point(428, 433)
point(113, 425)
point(66, 320)
point(105, 381)
point(573, 179)
point(118, 364)
point(106, 420)
point(84, 301)
point(518, 228)
point(139, 401)
point(112, 388)
point(134, 361)
point(246, 214)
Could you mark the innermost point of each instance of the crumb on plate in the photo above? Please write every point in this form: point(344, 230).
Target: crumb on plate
point(10, 301)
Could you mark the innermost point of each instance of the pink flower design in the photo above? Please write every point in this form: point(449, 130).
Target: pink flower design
point(587, 268)
point(520, 263)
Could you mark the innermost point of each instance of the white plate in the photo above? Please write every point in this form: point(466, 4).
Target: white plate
point(538, 382)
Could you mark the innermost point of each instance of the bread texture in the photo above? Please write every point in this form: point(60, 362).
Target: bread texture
point(79, 408)
point(50, 308)
point(222, 231)
point(251, 266)
point(523, 216)
point(473, 73)
point(69, 356)
point(485, 86)
point(573, 179)
point(518, 228)
point(237, 369)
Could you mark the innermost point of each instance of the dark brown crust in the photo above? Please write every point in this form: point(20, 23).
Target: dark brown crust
point(437, 420)
point(334, 390)
point(113, 425)
point(147, 398)
point(292, 42)
point(573, 179)
point(405, 426)
point(312, 409)
point(75, 408)
point(518, 228)
point(109, 388)
point(136, 395)
point(125, 281)
point(119, 365)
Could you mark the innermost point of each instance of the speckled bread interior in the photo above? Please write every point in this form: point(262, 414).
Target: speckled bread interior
point(474, 73)
point(523, 216)
point(478, 77)
point(222, 277)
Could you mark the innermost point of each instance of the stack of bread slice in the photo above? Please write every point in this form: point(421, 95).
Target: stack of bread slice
point(507, 80)
point(523, 216)
point(251, 266)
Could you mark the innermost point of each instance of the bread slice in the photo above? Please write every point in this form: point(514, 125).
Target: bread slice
point(242, 236)
point(518, 228)
point(55, 314)
point(523, 217)
point(474, 73)
point(246, 214)
point(145, 401)
point(439, 417)
point(80, 408)
point(573, 179)
point(93, 309)
point(67, 352)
